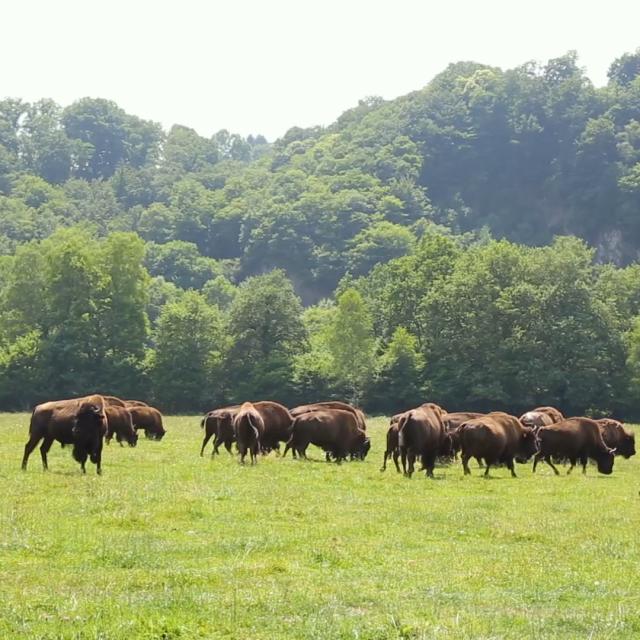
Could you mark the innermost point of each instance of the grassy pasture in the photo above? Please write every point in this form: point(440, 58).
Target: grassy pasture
point(170, 545)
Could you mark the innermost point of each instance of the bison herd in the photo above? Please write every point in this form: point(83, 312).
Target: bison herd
point(426, 433)
point(85, 423)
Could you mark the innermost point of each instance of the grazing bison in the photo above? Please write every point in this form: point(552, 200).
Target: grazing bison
point(277, 424)
point(393, 448)
point(552, 412)
point(249, 429)
point(574, 439)
point(535, 419)
point(113, 401)
point(336, 431)
point(617, 437)
point(148, 419)
point(57, 421)
point(421, 434)
point(331, 404)
point(120, 424)
point(496, 438)
point(219, 425)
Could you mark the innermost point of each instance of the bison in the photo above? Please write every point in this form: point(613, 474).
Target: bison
point(219, 425)
point(552, 412)
point(331, 404)
point(134, 403)
point(617, 436)
point(496, 438)
point(574, 439)
point(248, 426)
point(80, 422)
point(421, 434)
point(535, 419)
point(148, 419)
point(120, 424)
point(336, 431)
point(393, 442)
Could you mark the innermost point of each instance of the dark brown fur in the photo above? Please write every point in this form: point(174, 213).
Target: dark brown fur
point(496, 438)
point(249, 429)
point(336, 431)
point(149, 419)
point(56, 421)
point(574, 439)
point(617, 436)
point(120, 424)
point(421, 434)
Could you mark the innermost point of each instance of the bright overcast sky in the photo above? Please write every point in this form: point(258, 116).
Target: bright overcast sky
point(262, 66)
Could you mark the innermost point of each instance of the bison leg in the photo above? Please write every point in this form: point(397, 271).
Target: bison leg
point(583, 461)
point(28, 449)
point(384, 461)
point(465, 464)
point(44, 450)
point(396, 455)
point(207, 437)
point(403, 459)
point(98, 459)
point(428, 464)
point(479, 460)
point(509, 464)
point(486, 471)
point(547, 459)
point(572, 465)
point(411, 458)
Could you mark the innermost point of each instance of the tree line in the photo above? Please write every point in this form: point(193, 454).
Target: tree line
point(356, 260)
point(484, 325)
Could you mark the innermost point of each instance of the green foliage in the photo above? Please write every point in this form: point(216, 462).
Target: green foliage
point(185, 365)
point(399, 379)
point(267, 333)
point(352, 345)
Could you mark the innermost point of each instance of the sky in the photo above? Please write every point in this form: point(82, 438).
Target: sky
point(253, 66)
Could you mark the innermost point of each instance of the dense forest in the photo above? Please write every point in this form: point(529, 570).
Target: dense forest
point(473, 242)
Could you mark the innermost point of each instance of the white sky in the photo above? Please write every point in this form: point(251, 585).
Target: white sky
point(254, 66)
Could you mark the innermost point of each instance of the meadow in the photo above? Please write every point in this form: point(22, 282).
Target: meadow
point(166, 545)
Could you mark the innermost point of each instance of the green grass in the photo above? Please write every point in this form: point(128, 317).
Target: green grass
point(170, 545)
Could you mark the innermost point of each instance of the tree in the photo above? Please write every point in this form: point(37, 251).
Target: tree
point(399, 379)
point(267, 332)
point(352, 345)
point(185, 364)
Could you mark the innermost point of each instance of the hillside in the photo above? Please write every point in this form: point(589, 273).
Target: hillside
point(526, 154)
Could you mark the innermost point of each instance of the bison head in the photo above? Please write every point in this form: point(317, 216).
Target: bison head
point(88, 415)
point(605, 462)
point(528, 445)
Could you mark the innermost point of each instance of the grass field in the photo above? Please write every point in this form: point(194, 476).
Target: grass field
point(170, 545)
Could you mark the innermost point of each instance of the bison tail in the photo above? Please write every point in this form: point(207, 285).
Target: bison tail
point(256, 433)
point(202, 422)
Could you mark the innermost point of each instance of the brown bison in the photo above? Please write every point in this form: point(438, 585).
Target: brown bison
point(134, 403)
point(617, 436)
point(277, 424)
point(552, 412)
point(331, 404)
point(496, 438)
point(249, 429)
point(336, 431)
point(219, 425)
point(120, 424)
point(574, 439)
point(113, 401)
point(393, 443)
point(148, 419)
point(421, 434)
point(535, 419)
point(80, 422)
